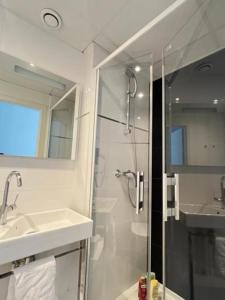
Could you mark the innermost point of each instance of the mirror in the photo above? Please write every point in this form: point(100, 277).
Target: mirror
point(37, 111)
point(61, 128)
point(196, 114)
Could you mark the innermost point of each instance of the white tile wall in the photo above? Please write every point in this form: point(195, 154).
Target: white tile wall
point(49, 184)
point(117, 250)
point(199, 188)
point(86, 122)
point(203, 134)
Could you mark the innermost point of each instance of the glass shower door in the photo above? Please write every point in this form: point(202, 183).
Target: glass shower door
point(120, 210)
point(194, 156)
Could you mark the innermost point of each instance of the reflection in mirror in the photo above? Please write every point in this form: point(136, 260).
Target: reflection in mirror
point(61, 128)
point(37, 111)
point(195, 98)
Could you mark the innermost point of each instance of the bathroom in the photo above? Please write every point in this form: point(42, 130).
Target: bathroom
point(112, 152)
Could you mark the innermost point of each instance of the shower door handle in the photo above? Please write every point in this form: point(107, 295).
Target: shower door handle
point(171, 198)
point(140, 192)
point(177, 197)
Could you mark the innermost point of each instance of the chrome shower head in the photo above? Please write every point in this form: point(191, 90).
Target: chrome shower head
point(130, 73)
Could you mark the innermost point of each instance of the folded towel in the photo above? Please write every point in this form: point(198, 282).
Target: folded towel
point(34, 281)
point(220, 254)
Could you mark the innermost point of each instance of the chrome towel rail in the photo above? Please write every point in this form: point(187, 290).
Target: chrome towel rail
point(7, 274)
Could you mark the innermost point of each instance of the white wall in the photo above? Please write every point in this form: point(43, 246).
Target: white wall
point(29, 43)
point(199, 189)
point(204, 132)
point(119, 234)
point(49, 184)
point(86, 134)
point(45, 183)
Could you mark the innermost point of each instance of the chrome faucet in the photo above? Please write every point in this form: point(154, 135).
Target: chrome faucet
point(222, 188)
point(4, 207)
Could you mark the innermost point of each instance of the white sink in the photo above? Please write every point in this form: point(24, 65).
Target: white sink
point(203, 216)
point(29, 234)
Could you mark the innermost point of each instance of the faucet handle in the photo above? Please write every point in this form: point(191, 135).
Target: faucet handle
point(13, 206)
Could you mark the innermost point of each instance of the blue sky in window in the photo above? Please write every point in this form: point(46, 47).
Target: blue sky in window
point(19, 129)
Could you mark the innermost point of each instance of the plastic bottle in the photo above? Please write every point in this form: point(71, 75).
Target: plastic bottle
point(154, 292)
point(142, 288)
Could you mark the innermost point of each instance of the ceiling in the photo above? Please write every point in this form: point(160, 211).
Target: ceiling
point(107, 22)
point(199, 83)
point(194, 30)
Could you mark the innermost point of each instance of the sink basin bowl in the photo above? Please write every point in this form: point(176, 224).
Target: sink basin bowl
point(199, 216)
point(29, 234)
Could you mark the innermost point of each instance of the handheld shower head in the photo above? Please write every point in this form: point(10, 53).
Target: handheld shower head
point(130, 73)
point(130, 94)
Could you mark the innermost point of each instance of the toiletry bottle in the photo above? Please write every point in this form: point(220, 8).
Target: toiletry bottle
point(154, 293)
point(142, 288)
point(152, 276)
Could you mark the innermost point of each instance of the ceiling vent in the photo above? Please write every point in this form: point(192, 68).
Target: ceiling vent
point(204, 67)
point(51, 18)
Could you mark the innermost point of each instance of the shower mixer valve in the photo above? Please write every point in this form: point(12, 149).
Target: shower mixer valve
point(139, 185)
point(127, 174)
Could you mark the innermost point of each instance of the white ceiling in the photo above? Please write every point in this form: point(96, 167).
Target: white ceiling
point(194, 30)
point(107, 22)
point(194, 85)
point(197, 23)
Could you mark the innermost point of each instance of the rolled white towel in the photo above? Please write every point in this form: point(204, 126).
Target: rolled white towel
point(34, 281)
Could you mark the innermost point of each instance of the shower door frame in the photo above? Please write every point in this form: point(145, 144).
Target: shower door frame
point(126, 44)
point(171, 180)
point(86, 255)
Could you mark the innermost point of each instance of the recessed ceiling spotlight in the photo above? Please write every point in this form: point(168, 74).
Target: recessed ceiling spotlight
point(137, 69)
point(51, 18)
point(215, 101)
point(168, 48)
point(140, 95)
point(139, 118)
point(32, 65)
point(177, 99)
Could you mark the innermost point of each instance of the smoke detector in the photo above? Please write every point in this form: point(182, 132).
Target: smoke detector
point(51, 18)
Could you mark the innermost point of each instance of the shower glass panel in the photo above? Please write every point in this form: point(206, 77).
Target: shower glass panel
point(120, 210)
point(194, 102)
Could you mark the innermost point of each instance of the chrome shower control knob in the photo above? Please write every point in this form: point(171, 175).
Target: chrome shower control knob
point(118, 173)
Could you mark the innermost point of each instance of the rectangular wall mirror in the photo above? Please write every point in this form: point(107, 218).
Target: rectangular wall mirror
point(37, 111)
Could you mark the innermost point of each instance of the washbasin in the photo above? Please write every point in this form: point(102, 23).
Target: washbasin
point(203, 216)
point(29, 234)
point(19, 227)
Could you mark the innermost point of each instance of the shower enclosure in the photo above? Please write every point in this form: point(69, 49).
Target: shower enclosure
point(119, 249)
point(194, 156)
